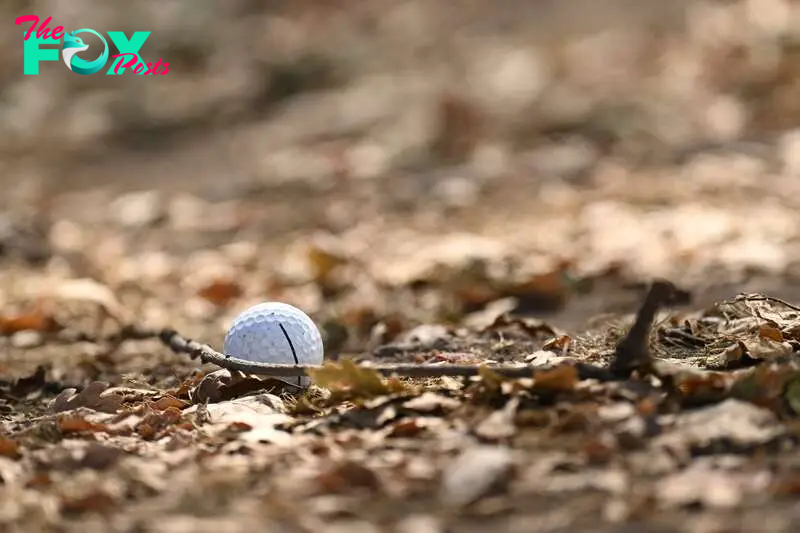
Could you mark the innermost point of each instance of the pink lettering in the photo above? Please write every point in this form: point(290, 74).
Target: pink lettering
point(28, 18)
point(43, 32)
point(58, 32)
point(122, 64)
point(157, 68)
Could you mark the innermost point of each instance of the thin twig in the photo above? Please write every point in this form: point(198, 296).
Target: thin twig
point(765, 298)
point(206, 354)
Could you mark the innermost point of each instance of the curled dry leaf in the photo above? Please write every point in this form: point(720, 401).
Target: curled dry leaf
point(560, 343)
point(762, 347)
point(223, 384)
point(92, 397)
point(533, 327)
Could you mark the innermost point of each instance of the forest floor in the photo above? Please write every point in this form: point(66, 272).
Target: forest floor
point(104, 433)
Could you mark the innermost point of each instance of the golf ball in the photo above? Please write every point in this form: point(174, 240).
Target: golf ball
point(274, 332)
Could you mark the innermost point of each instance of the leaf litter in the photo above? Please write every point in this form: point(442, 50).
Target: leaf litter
point(541, 401)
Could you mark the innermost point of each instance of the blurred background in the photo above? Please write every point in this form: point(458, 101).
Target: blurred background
point(386, 163)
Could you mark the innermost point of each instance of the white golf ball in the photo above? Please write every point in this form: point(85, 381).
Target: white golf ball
point(274, 332)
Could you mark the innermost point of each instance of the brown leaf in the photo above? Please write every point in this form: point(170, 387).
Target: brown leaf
point(221, 385)
point(770, 332)
point(100, 457)
point(598, 450)
point(559, 343)
point(347, 475)
point(32, 321)
point(560, 378)
point(96, 501)
point(9, 448)
point(169, 401)
point(701, 388)
point(407, 428)
point(78, 424)
point(532, 326)
point(221, 292)
point(187, 385)
point(159, 423)
point(91, 397)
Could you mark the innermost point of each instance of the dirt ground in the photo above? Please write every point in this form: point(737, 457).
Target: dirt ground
point(435, 185)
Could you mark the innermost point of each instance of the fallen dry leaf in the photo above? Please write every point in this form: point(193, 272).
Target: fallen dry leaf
point(96, 501)
point(84, 290)
point(354, 380)
point(702, 485)
point(430, 402)
point(499, 425)
point(78, 424)
point(9, 448)
point(223, 384)
point(732, 424)
point(560, 343)
point(475, 473)
point(33, 321)
point(560, 379)
point(91, 397)
point(169, 401)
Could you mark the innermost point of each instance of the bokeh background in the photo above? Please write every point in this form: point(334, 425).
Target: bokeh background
point(314, 141)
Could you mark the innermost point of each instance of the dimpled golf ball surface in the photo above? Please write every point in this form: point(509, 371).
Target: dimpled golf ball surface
point(274, 332)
